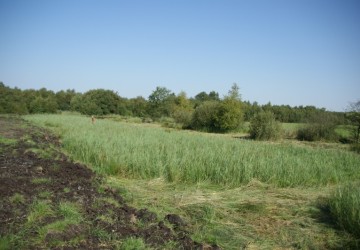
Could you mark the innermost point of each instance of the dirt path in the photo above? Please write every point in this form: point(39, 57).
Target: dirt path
point(48, 201)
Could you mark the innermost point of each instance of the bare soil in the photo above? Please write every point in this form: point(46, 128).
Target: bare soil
point(34, 165)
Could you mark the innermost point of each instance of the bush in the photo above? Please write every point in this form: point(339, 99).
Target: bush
point(183, 117)
point(263, 126)
point(344, 206)
point(204, 116)
point(229, 115)
point(321, 127)
point(169, 122)
point(356, 147)
point(316, 132)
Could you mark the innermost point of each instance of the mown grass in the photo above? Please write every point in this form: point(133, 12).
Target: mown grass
point(136, 151)
point(255, 216)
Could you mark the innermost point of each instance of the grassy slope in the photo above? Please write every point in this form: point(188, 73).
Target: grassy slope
point(232, 211)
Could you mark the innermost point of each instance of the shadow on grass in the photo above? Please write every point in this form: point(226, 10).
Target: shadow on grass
point(323, 215)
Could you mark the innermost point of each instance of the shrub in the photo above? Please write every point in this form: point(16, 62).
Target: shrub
point(321, 127)
point(169, 122)
point(316, 132)
point(183, 117)
point(229, 115)
point(263, 126)
point(355, 147)
point(345, 207)
point(204, 116)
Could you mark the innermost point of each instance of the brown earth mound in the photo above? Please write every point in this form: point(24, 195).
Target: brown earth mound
point(33, 169)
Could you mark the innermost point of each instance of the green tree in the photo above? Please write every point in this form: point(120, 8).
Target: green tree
point(204, 116)
point(43, 105)
point(138, 106)
point(161, 102)
point(99, 102)
point(182, 110)
point(230, 113)
point(76, 102)
point(204, 97)
point(12, 101)
point(63, 98)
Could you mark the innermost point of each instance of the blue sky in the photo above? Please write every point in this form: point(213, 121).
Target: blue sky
point(296, 52)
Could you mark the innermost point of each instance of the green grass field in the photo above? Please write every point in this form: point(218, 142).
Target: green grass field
point(136, 151)
point(233, 192)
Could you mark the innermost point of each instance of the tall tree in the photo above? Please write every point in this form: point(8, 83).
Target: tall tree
point(161, 102)
point(63, 98)
point(230, 114)
point(99, 102)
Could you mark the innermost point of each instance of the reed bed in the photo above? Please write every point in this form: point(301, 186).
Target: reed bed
point(140, 151)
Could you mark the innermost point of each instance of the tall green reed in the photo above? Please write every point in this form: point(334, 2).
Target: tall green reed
point(140, 151)
point(345, 207)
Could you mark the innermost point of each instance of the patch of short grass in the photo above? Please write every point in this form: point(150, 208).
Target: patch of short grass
point(110, 201)
point(41, 180)
point(6, 242)
point(45, 154)
point(104, 236)
point(45, 195)
point(17, 198)
point(70, 215)
point(133, 244)
point(39, 210)
point(106, 218)
point(70, 212)
point(7, 141)
point(56, 167)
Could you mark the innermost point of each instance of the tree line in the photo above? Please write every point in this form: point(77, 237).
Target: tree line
point(204, 111)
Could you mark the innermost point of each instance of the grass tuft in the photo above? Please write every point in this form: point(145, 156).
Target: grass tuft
point(345, 207)
point(133, 244)
point(39, 210)
point(17, 198)
point(41, 180)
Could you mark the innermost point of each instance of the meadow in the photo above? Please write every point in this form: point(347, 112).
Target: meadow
point(235, 192)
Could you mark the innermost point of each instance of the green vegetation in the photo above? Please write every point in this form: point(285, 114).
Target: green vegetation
point(230, 192)
point(62, 217)
point(162, 102)
point(40, 180)
point(136, 151)
point(133, 244)
point(264, 127)
point(257, 215)
point(17, 198)
point(320, 127)
point(7, 141)
point(345, 207)
point(39, 210)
